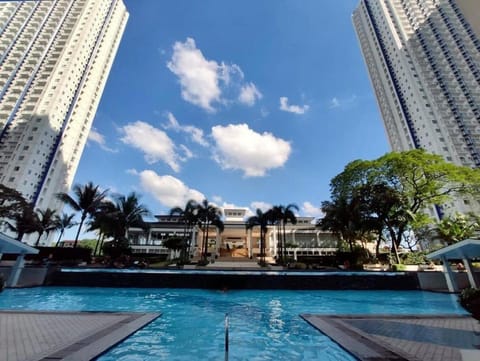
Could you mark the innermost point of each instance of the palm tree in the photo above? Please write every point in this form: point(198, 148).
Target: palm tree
point(285, 214)
point(128, 213)
point(87, 199)
point(46, 222)
point(25, 222)
point(103, 223)
point(189, 215)
point(260, 219)
point(65, 221)
point(208, 215)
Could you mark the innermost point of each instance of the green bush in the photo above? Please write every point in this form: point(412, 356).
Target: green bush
point(414, 258)
point(399, 267)
point(203, 262)
point(469, 296)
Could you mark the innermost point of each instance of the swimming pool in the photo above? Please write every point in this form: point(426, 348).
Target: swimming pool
point(264, 325)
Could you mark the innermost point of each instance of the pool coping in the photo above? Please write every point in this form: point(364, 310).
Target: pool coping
point(369, 347)
point(93, 343)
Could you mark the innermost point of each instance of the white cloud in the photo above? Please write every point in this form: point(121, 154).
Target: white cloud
point(249, 94)
point(153, 142)
point(98, 138)
point(199, 77)
point(308, 209)
point(334, 103)
point(168, 190)
point(297, 109)
point(239, 147)
point(196, 134)
point(346, 102)
point(217, 199)
point(204, 82)
point(260, 205)
point(187, 153)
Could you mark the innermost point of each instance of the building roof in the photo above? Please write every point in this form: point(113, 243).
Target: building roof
point(10, 245)
point(469, 248)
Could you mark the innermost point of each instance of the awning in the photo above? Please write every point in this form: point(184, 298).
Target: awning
point(469, 248)
point(10, 245)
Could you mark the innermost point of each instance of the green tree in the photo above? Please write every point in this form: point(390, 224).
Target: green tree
point(283, 215)
point(260, 219)
point(408, 185)
point(208, 215)
point(64, 222)
point(25, 222)
point(12, 203)
point(456, 228)
point(87, 199)
point(189, 216)
point(46, 222)
point(128, 213)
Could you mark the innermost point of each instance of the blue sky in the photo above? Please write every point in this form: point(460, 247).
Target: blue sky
point(246, 103)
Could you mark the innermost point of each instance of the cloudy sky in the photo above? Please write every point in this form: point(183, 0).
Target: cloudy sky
point(246, 103)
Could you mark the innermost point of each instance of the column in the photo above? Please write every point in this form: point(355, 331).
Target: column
point(249, 242)
point(470, 273)
point(449, 276)
point(16, 271)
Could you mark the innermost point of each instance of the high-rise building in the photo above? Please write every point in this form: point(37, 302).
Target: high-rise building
point(423, 58)
point(55, 57)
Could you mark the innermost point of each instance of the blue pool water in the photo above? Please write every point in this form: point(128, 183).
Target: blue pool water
point(264, 325)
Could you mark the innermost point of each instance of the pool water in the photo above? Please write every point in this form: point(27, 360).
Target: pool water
point(264, 325)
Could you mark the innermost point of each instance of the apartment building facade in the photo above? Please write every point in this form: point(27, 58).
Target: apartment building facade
point(55, 57)
point(423, 58)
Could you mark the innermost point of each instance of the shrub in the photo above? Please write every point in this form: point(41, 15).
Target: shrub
point(414, 258)
point(203, 262)
point(398, 267)
point(470, 300)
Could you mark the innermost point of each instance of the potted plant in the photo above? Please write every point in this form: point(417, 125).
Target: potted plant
point(470, 300)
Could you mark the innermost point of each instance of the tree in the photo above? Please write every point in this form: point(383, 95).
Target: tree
point(128, 213)
point(12, 202)
point(406, 186)
point(262, 220)
point(64, 222)
point(208, 215)
point(24, 223)
point(103, 223)
point(456, 228)
point(286, 214)
point(46, 222)
point(87, 199)
point(174, 244)
point(189, 215)
point(343, 217)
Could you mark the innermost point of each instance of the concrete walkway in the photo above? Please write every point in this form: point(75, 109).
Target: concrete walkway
point(72, 336)
point(416, 338)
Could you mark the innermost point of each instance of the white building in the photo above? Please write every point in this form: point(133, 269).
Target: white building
point(55, 57)
point(302, 239)
point(423, 58)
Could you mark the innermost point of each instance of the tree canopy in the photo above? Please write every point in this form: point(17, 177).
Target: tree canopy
point(394, 194)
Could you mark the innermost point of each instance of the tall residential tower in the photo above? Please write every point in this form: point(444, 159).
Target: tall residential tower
point(423, 57)
point(55, 57)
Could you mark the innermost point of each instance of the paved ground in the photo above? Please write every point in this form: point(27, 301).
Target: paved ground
point(416, 338)
point(78, 336)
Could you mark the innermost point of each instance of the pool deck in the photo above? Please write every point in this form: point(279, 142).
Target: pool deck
point(72, 336)
point(411, 337)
